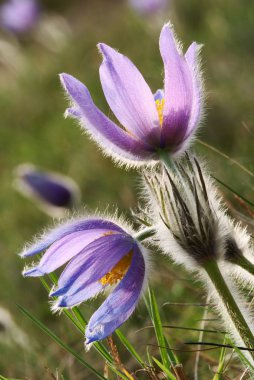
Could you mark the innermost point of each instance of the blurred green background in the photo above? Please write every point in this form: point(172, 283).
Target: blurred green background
point(33, 130)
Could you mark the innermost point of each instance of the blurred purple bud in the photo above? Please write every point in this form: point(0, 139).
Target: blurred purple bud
point(19, 16)
point(148, 6)
point(53, 192)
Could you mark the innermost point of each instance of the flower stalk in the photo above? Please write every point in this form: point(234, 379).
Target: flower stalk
point(234, 313)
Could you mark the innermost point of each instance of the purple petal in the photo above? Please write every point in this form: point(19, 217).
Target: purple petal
point(82, 295)
point(102, 129)
point(64, 250)
point(178, 91)
point(73, 112)
point(129, 96)
point(65, 229)
point(192, 59)
point(94, 262)
point(120, 304)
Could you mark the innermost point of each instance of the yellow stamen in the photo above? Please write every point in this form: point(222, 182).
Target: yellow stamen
point(108, 233)
point(118, 271)
point(160, 106)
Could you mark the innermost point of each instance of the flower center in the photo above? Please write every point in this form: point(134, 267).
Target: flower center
point(160, 106)
point(118, 271)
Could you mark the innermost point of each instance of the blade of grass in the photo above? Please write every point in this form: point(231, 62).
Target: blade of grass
point(60, 342)
point(194, 329)
point(130, 348)
point(233, 191)
point(222, 154)
point(220, 370)
point(167, 356)
point(201, 336)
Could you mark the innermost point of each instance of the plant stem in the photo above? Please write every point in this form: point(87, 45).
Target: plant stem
point(212, 269)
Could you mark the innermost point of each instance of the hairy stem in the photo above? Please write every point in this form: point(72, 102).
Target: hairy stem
point(230, 304)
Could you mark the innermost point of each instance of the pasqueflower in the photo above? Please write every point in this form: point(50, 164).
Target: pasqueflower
point(19, 16)
point(99, 254)
point(52, 192)
point(151, 123)
point(148, 7)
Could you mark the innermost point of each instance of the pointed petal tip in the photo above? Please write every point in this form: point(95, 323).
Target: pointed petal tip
point(168, 27)
point(88, 345)
point(67, 113)
point(23, 254)
point(63, 75)
point(61, 303)
point(31, 250)
point(32, 272)
point(167, 32)
point(102, 50)
point(102, 47)
point(94, 333)
point(69, 81)
point(107, 51)
point(64, 78)
point(195, 46)
point(90, 340)
point(55, 308)
point(57, 292)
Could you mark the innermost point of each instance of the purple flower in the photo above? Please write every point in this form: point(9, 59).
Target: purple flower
point(99, 253)
point(152, 124)
point(19, 16)
point(148, 6)
point(53, 192)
